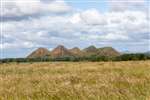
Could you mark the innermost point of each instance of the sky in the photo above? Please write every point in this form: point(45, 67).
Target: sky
point(29, 24)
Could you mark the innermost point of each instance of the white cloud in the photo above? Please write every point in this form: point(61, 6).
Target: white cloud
point(76, 18)
point(93, 17)
point(121, 5)
point(22, 8)
point(17, 44)
point(119, 26)
point(112, 37)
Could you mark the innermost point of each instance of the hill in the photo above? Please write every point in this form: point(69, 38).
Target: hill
point(76, 51)
point(108, 51)
point(60, 51)
point(147, 53)
point(40, 52)
point(105, 51)
point(89, 51)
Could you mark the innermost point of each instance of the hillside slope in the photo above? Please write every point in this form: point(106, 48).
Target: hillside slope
point(60, 51)
point(40, 52)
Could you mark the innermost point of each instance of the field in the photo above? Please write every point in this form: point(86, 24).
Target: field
point(75, 81)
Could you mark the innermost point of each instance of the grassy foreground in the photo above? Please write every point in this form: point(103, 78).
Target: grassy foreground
point(75, 81)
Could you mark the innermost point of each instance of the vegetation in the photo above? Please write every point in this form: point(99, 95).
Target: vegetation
point(124, 57)
point(128, 80)
point(127, 57)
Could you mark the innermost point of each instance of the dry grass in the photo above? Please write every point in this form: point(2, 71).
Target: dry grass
point(75, 81)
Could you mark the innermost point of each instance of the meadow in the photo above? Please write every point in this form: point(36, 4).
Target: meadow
point(128, 80)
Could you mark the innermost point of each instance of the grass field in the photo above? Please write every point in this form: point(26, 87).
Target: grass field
point(75, 81)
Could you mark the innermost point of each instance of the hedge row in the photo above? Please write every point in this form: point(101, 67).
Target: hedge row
point(124, 57)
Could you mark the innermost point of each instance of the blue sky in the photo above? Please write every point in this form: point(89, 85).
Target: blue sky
point(28, 25)
point(100, 5)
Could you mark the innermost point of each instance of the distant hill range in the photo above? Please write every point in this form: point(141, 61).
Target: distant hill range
point(147, 53)
point(61, 51)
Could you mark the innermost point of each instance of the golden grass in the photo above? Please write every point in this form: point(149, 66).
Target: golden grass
point(75, 81)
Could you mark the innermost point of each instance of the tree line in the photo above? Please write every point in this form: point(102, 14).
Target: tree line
point(124, 57)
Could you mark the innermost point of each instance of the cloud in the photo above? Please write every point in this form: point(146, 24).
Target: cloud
point(90, 25)
point(121, 5)
point(19, 9)
point(93, 17)
point(90, 17)
point(113, 37)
